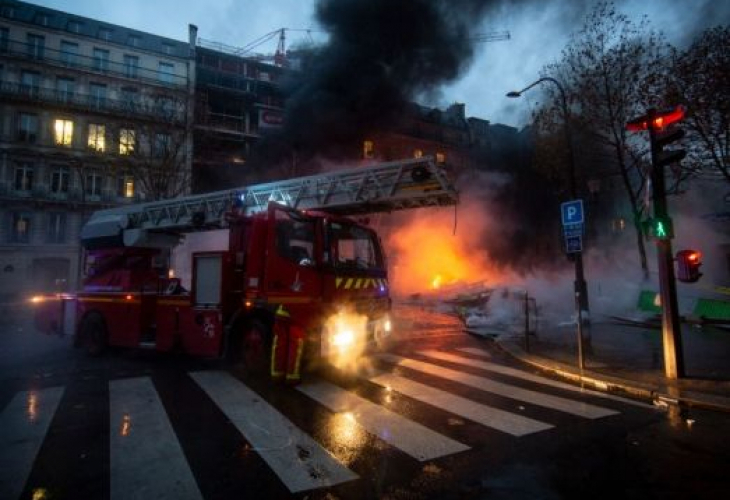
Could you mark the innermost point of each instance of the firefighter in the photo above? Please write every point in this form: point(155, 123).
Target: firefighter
point(286, 349)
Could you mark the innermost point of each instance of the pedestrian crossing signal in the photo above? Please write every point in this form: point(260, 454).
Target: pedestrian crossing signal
point(659, 228)
point(688, 266)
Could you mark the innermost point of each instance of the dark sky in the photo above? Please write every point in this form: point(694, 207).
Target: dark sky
point(539, 30)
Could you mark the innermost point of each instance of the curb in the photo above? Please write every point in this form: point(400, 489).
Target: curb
point(682, 397)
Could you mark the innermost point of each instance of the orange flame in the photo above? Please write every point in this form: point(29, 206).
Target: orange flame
point(427, 255)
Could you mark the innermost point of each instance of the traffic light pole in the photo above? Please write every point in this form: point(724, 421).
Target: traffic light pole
point(671, 326)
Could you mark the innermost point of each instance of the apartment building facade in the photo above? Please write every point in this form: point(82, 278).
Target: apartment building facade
point(92, 115)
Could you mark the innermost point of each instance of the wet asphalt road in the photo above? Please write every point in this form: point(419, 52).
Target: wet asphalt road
point(440, 414)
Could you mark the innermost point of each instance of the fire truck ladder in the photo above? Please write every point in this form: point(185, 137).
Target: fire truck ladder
point(384, 187)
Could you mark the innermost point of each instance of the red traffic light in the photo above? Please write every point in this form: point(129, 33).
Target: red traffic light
point(688, 265)
point(658, 122)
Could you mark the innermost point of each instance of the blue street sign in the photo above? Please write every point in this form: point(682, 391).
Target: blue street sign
point(573, 244)
point(572, 212)
point(572, 230)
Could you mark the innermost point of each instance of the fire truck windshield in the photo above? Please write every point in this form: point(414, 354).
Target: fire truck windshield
point(353, 247)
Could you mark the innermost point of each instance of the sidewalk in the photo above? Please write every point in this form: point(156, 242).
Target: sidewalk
point(629, 359)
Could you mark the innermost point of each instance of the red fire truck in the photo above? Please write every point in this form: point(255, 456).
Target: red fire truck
point(206, 273)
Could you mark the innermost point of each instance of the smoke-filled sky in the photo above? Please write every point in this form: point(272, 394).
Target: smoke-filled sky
point(539, 30)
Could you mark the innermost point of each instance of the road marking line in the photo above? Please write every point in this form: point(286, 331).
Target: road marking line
point(147, 460)
point(416, 440)
point(537, 398)
point(23, 426)
point(299, 461)
point(505, 370)
point(476, 351)
point(501, 420)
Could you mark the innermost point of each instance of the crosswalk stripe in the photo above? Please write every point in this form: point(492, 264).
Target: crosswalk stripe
point(146, 458)
point(23, 426)
point(554, 402)
point(475, 350)
point(504, 421)
point(299, 461)
point(412, 438)
point(512, 372)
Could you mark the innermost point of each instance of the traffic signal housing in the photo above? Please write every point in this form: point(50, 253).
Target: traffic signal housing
point(688, 266)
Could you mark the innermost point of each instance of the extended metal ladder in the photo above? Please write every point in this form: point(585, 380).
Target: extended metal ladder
point(384, 187)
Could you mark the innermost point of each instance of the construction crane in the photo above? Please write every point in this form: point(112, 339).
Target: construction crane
point(384, 187)
point(491, 36)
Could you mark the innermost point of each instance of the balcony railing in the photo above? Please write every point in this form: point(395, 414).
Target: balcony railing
point(42, 192)
point(94, 64)
point(161, 110)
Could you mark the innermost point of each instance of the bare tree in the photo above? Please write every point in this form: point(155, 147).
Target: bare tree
point(606, 68)
point(157, 152)
point(700, 78)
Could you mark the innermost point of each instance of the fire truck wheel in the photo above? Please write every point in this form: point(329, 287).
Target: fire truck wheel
point(94, 335)
point(254, 348)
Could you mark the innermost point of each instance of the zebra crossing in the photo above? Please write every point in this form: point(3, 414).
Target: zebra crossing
point(147, 460)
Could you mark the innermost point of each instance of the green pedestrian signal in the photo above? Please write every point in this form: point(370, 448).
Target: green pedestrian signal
point(660, 228)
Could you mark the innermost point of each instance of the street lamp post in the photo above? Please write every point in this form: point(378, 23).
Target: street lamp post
point(579, 286)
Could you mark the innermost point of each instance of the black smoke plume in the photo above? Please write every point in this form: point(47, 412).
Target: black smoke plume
point(380, 56)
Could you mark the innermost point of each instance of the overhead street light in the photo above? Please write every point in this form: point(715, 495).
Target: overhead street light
point(580, 288)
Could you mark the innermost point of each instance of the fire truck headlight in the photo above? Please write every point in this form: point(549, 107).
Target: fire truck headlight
point(37, 299)
point(343, 339)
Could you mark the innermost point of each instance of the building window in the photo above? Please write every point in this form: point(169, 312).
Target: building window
point(36, 46)
point(166, 72)
point(24, 177)
point(127, 141)
point(30, 83)
point(164, 106)
point(63, 131)
point(97, 133)
point(440, 158)
point(105, 33)
point(162, 144)
point(27, 127)
point(56, 228)
point(131, 66)
point(168, 49)
point(133, 41)
point(125, 186)
point(4, 35)
point(65, 88)
point(97, 95)
point(368, 149)
point(59, 180)
point(418, 153)
point(101, 59)
point(93, 184)
point(41, 19)
point(20, 232)
point(74, 26)
point(69, 53)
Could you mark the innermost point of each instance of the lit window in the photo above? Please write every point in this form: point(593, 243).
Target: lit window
point(127, 141)
point(418, 153)
point(440, 158)
point(96, 137)
point(368, 149)
point(63, 132)
point(126, 186)
point(21, 227)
